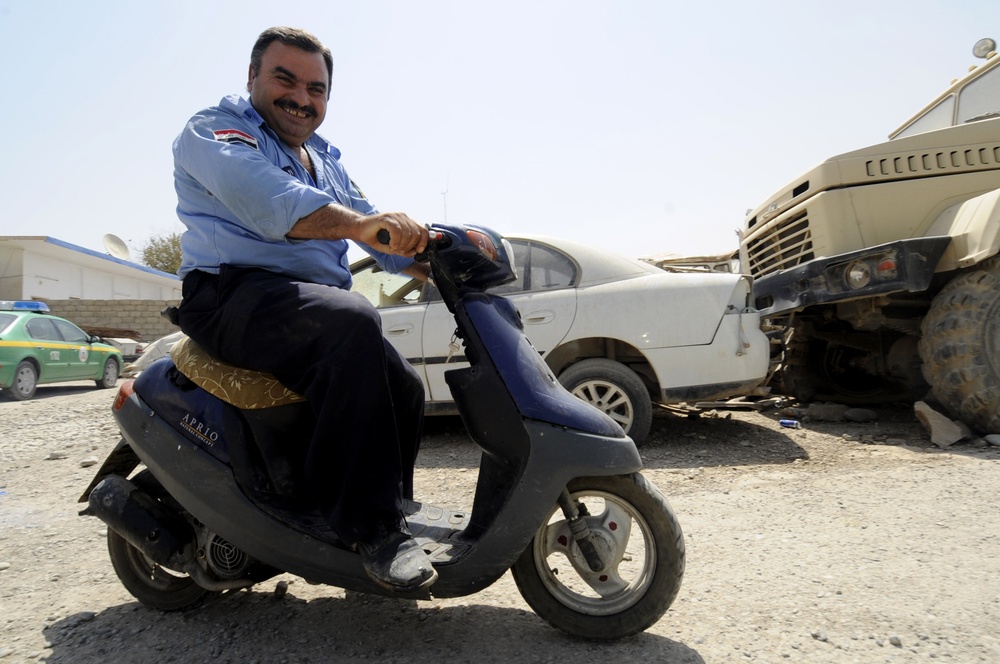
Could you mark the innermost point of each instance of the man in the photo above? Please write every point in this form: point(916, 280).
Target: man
point(269, 209)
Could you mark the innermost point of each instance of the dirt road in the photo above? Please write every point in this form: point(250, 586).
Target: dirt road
point(834, 543)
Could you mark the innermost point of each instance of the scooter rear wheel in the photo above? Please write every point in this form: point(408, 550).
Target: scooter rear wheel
point(150, 583)
point(640, 542)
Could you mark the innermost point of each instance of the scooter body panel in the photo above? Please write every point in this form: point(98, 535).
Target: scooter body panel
point(196, 476)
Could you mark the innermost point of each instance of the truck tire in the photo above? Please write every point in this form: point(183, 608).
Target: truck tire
point(797, 377)
point(960, 347)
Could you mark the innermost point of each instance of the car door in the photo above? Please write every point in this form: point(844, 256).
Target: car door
point(82, 363)
point(48, 349)
point(544, 294)
point(398, 300)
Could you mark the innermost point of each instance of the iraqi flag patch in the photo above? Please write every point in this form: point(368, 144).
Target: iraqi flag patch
point(235, 136)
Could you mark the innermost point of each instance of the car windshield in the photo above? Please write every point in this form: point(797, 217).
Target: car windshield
point(539, 268)
point(979, 99)
point(5, 321)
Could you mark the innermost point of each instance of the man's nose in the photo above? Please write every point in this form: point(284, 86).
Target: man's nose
point(300, 95)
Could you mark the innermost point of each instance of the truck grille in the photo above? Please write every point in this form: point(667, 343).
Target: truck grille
point(787, 245)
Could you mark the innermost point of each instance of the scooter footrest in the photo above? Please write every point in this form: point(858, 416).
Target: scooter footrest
point(435, 528)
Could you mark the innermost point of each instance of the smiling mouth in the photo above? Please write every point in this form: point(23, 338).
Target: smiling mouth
point(295, 110)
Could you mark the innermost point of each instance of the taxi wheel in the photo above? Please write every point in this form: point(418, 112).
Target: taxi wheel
point(25, 381)
point(110, 375)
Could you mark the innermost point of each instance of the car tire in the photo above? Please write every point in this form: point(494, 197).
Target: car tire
point(109, 377)
point(614, 389)
point(25, 381)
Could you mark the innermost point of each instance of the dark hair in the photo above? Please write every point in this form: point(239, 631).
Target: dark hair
point(290, 37)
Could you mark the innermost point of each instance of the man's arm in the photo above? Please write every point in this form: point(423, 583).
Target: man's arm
point(336, 222)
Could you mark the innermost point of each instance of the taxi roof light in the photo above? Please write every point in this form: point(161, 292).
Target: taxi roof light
point(22, 305)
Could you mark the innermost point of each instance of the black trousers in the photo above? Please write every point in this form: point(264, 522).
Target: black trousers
point(326, 344)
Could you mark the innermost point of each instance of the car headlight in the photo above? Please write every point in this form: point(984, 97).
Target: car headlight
point(858, 274)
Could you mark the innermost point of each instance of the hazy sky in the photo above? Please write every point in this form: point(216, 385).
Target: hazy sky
point(645, 127)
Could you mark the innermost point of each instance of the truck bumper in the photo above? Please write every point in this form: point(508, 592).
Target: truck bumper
point(903, 265)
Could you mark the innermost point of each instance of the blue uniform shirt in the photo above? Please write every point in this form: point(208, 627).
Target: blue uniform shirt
point(240, 189)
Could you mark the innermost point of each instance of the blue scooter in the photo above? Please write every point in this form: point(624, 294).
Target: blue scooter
point(593, 546)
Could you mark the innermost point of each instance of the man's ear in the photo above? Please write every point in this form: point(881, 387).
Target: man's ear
point(250, 79)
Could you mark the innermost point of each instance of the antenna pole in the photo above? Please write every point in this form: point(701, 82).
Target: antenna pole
point(444, 197)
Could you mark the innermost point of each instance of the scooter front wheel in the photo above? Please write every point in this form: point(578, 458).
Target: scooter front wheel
point(641, 547)
point(150, 583)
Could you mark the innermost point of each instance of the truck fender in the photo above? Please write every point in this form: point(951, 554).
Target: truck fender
point(974, 226)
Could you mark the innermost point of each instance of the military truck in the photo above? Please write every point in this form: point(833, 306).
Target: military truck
point(876, 272)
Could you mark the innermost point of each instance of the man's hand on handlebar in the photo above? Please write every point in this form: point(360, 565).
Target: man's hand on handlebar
point(406, 237)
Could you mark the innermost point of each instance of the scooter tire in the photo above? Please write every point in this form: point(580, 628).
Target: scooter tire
point(639, 539)
point(152, 584)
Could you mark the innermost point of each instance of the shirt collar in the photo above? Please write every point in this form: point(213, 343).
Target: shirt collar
point(240, 106)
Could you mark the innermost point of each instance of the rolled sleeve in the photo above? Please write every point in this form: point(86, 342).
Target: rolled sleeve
point(264, 198)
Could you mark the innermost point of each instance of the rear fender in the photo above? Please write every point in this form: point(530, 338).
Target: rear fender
point(122, 461)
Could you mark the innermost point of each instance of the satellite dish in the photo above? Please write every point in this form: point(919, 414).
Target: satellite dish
point(116, 246)
point(984, 47)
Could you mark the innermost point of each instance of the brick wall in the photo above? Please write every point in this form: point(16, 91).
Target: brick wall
point(140, 315)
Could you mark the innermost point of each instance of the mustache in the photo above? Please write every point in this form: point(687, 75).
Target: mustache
point(290, 105)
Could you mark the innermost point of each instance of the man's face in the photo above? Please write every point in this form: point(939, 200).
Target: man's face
point(290, 91)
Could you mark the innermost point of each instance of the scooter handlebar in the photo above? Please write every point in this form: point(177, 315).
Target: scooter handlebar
point(434, 237)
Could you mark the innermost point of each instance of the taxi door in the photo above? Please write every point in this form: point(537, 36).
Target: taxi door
point(82, 362)
point(48, 348)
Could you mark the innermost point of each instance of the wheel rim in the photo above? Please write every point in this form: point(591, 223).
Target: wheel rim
point(110, 372)
point(609, 398)
point(624, 541)
point(25, 381)
point(154, 575)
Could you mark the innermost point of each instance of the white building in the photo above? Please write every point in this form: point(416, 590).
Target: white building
point(39, 267)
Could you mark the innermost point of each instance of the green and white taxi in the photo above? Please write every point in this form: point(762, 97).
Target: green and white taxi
point(37, 347)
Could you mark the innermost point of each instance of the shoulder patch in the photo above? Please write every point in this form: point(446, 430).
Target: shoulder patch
point(235, 136)
point(358, 189)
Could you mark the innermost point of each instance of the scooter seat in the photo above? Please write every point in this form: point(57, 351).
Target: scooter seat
point(243, 388)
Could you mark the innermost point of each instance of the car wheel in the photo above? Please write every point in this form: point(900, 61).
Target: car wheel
point(25, 381)
point(614, 389)
point(110, 375)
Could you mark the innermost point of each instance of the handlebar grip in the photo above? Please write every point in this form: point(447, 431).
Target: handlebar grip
point(382, 236)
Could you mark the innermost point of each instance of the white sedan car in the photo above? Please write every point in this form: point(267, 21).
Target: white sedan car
point(619, 333)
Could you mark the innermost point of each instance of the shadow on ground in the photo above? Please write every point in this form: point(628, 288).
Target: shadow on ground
point(260, 627)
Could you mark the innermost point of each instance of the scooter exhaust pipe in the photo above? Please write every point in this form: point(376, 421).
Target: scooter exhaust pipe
point(144, 522)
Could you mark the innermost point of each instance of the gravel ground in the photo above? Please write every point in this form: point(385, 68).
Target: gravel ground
point(837, 542)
